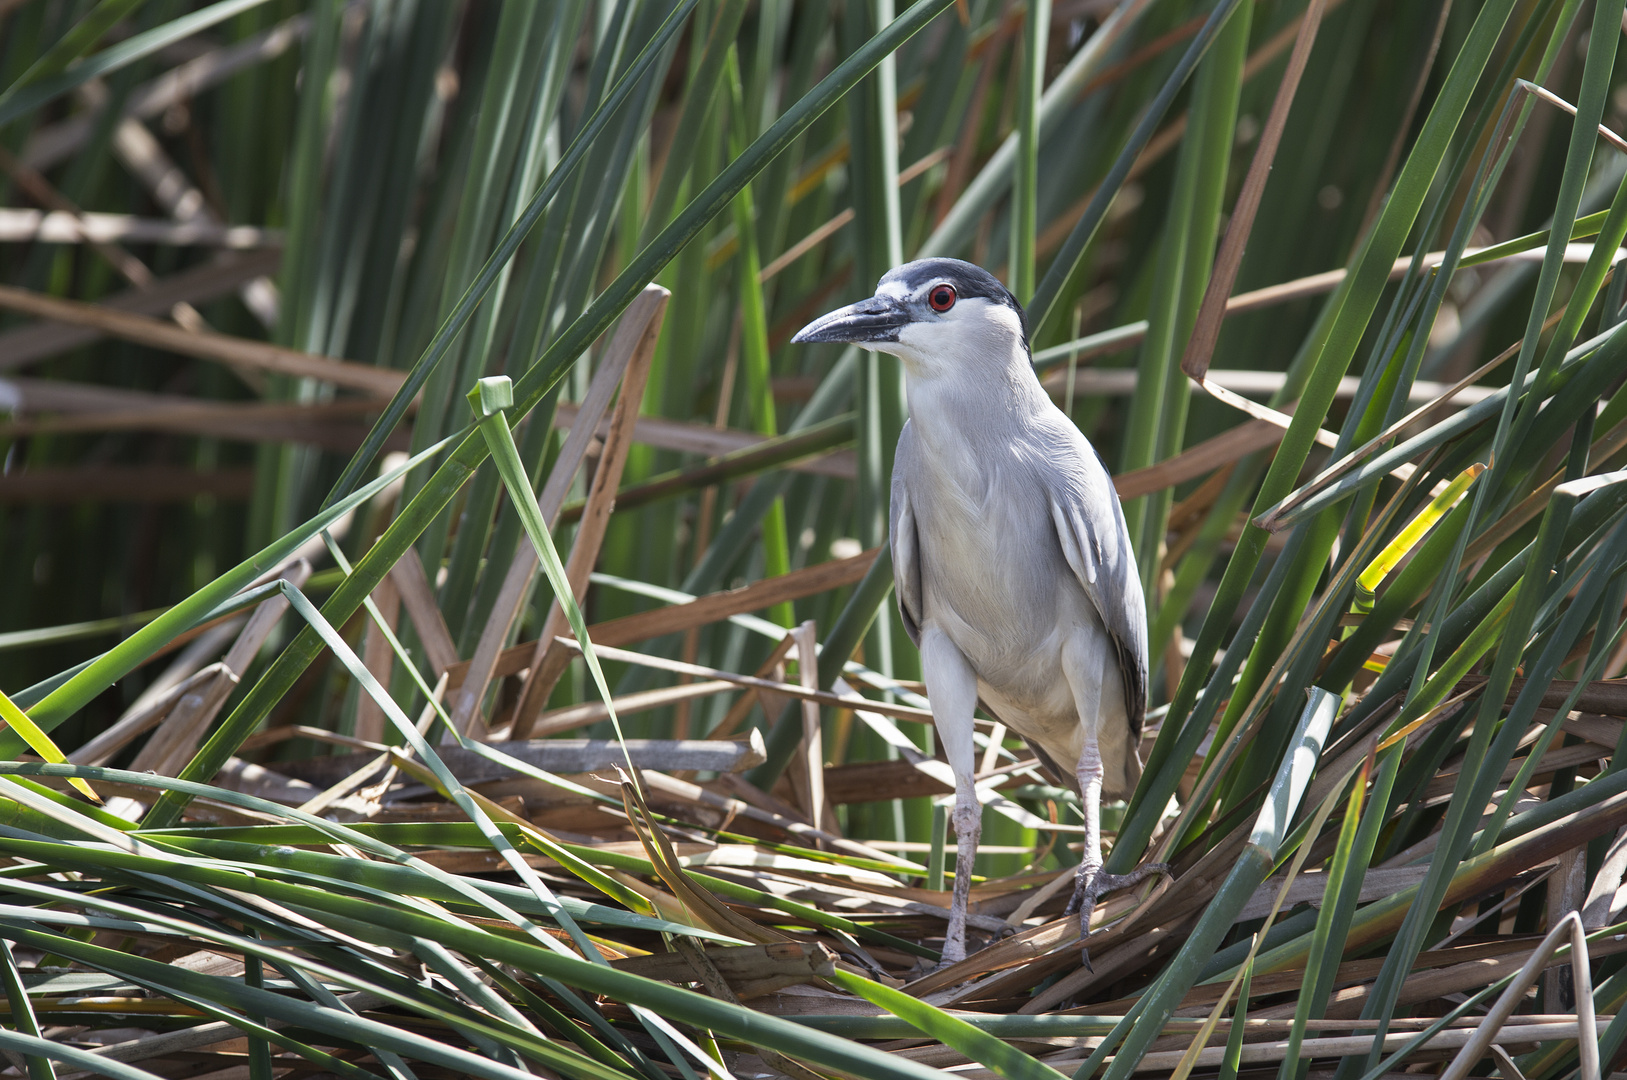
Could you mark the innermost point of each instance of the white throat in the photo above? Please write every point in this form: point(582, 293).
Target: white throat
point(969, 363)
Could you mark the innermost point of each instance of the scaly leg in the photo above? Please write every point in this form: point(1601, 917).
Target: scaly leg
point(1089, 677)
point(952, 686)
point(1092, 882)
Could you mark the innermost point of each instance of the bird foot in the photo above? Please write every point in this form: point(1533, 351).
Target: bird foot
point(1091, 885)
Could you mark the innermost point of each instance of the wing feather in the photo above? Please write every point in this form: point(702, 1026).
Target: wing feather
point(901, 539)
point(1096, 544)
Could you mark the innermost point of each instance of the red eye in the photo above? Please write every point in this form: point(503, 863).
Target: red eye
point(942, 297)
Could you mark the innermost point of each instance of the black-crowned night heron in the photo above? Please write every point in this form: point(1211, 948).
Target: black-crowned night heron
point(1014, 572)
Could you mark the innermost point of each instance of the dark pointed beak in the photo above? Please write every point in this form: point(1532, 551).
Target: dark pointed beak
point(879, 318)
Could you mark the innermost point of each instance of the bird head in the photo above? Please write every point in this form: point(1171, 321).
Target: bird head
point(939, 316)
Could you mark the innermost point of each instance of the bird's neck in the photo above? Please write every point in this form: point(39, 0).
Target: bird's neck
point(990, 398)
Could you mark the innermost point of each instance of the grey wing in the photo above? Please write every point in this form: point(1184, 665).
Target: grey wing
point(902, 540)
point(1096, 542)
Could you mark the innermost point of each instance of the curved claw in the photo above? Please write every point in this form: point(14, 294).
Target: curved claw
point(1090, 885)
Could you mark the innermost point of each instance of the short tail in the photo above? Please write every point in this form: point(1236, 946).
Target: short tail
point(1061, 777)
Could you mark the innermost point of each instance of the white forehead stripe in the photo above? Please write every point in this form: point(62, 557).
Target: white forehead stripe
point(896, 289)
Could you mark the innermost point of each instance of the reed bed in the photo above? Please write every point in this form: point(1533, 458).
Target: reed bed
point(446, 631)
